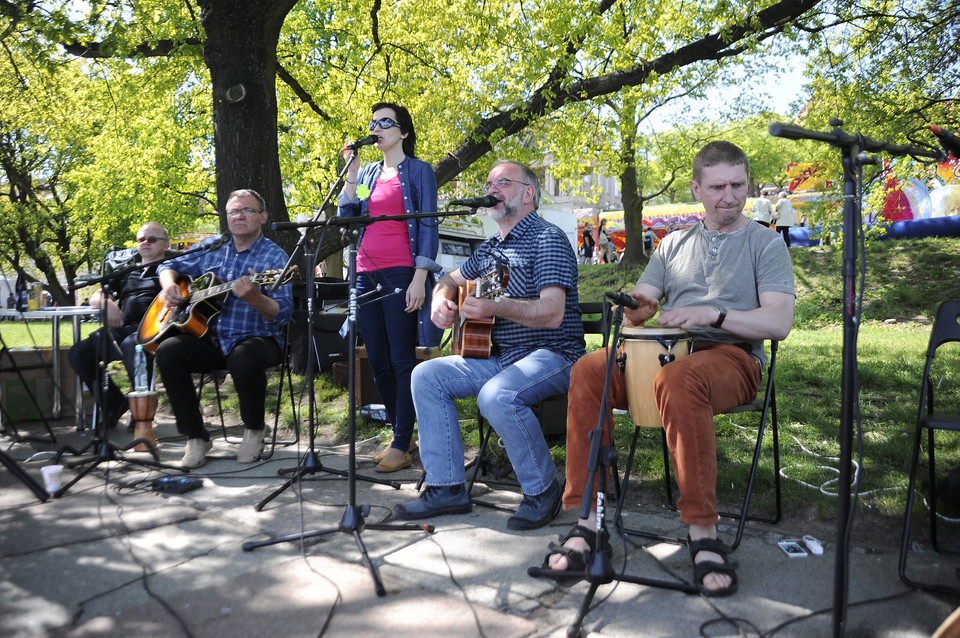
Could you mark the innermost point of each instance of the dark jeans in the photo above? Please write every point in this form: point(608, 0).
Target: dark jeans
point(85, 354)
point(390, 335)
point(181, 355)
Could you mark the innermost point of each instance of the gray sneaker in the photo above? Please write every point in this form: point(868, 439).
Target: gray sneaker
point(251, 447)
point(196, 453)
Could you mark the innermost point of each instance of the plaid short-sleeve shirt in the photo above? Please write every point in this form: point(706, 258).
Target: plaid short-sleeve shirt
point(538, 254)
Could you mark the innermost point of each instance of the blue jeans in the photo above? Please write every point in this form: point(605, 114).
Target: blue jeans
point(390, 335)
point(504, 396)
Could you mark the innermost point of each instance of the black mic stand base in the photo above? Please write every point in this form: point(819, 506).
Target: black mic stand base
point(311, 464)
point(352, 523)
point(353, 518)
point(105, 453)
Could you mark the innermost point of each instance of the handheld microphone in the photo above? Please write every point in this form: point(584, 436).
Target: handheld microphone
point(949, 141)
point(364, 141)
point(487, 201)
point(623, 299)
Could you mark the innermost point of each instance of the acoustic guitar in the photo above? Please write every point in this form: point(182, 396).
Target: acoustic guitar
point(203, 298)
point(471, 337)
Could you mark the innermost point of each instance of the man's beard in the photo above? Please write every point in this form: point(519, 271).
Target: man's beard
point(511, 208)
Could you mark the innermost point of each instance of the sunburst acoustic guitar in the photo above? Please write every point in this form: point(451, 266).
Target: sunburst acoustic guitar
point(471, 337)
point(203, 298)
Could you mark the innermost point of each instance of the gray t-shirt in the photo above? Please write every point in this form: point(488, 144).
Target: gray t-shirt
point(698, 267)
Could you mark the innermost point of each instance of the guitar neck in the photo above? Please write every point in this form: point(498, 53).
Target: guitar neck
point(219, 289)
point(212, 291)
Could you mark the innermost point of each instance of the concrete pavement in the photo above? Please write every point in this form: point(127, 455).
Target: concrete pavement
point(111, 557)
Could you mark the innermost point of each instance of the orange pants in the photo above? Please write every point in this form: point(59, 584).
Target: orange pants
point(689, 392)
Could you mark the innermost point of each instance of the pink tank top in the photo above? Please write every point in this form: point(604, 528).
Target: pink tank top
point(385, 244)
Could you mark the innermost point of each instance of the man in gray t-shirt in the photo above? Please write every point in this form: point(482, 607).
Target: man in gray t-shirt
point(729, 283)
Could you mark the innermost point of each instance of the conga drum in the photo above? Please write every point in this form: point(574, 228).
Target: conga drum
point(143, 407)
point(646, 350)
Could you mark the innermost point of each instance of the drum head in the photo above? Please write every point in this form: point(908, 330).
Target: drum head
point(651, 332)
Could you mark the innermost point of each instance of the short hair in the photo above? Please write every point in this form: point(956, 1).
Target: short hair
point(166, 233)
point(249, 192)
point(719, 152)
point(528, 176)
point(405, 122)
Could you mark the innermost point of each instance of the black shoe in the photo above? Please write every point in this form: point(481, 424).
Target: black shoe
point(537, 511)
point(435, 501)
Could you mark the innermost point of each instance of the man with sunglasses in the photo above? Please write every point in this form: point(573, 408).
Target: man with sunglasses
point(244, 338)
point(131, 294)
point(536, 337)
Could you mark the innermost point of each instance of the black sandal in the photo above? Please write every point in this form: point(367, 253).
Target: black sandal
point(700, 570)
point(577, 561)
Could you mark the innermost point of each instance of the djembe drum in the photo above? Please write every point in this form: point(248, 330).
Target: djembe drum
point(143, 407)
point(646, 351)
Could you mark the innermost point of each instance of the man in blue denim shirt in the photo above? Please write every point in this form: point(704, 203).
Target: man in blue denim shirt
point(536, 338)
point(245, 338)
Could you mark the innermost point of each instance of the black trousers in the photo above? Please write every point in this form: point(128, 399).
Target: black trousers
point(179, 356)
point(85, 355)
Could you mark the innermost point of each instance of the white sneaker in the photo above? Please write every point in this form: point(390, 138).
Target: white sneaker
point(196, 453)
point(251, 447)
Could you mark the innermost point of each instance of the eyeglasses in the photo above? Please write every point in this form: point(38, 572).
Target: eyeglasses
point(500, 182)
point(237, 212)
point(384, 123)
point(150, 240)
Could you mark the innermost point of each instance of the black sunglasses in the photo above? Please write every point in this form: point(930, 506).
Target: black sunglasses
point(384, 123)
point(150, 240)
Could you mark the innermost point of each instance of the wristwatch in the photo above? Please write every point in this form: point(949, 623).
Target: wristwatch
point(721, 315)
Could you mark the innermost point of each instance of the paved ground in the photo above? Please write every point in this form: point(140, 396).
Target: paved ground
point(111, 557)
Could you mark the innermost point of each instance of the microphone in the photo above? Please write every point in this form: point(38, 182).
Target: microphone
point(949, 141)
point(623, 299)
point(487, 201)
point(364, 141)
point(220, 241)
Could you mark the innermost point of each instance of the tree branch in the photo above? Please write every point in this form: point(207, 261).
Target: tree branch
point(300, 92)
point(553, 94)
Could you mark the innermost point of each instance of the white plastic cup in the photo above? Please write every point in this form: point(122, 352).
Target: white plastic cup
point(51, 477)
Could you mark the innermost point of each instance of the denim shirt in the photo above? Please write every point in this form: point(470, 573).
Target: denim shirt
point(418, 184)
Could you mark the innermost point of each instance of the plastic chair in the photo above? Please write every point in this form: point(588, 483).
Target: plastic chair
point(946, 329)
point(766, 405)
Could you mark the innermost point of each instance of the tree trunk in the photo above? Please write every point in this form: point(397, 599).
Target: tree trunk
point(241, 53)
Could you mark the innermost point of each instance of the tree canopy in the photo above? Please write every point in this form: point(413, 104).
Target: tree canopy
point(117, 112)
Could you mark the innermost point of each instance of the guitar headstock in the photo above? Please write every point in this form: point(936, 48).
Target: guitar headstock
point(269, 277)
point(493, 284)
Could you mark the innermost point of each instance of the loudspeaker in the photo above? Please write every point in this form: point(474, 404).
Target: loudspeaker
point(329, 313)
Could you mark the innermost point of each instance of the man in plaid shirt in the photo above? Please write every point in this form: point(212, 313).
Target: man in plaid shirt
point(245, 338)
point(536, 337)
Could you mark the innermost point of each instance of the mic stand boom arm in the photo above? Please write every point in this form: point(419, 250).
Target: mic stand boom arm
point(852, 148)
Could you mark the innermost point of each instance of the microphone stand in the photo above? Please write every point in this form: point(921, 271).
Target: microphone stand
point(352, 522)
point(106, 451)
point(853, 154)
point(310, 463)
point(599, 571)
